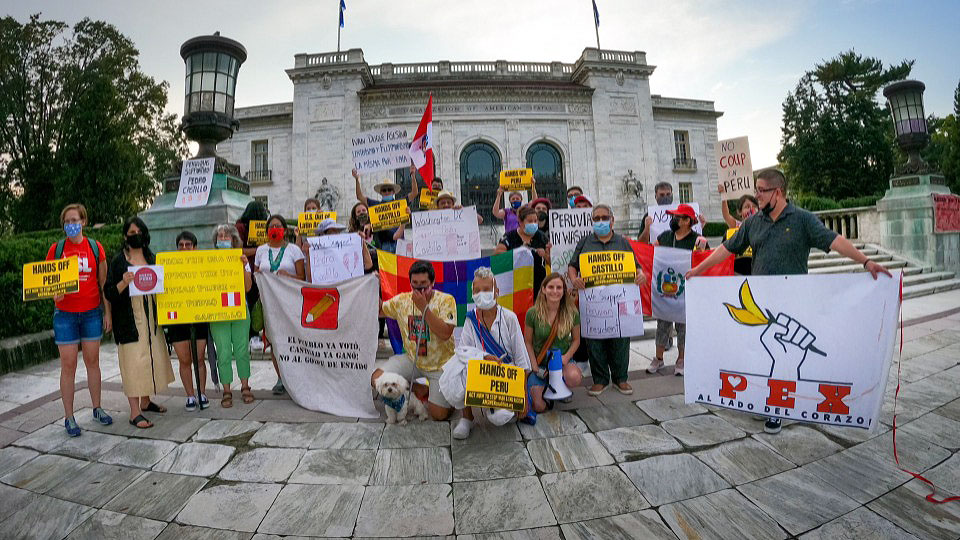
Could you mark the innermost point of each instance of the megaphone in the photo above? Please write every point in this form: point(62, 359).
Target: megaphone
point(556, 388)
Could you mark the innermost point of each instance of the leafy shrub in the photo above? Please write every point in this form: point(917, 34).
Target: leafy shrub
point(814, 203)
point(856, 202)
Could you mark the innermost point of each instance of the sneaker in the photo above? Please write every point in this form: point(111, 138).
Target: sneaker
point(256, 344)
point(624, 388)
point(101, 416)
point(73, 429)
point(678, 369)
point(204, 402)
point(596, 389)
point(772, 425)
point(278, 389)
point(498, 417)
point(462, 430)
point(191, 404)
point(655, 365)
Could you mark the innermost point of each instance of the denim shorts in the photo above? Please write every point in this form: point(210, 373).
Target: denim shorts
point(72, 328)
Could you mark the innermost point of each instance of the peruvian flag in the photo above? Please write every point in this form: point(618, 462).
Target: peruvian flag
point(421, 149)
point(664, 297)
point(171, 315)
point(230, 299)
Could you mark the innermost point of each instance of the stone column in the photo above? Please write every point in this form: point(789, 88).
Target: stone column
point(907, 222)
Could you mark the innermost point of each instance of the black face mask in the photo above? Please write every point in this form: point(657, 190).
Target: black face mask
point(674, 224)
point(135, 241)
point(666, 199)
point(542, 216)
point(363, 219)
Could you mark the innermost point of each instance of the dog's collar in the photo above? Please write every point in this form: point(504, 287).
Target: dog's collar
point(395, 404)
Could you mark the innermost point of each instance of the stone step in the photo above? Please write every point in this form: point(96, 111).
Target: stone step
point(930, 288)
point(927, 277)
point(843, 261)
point(912, 270)
point(854, 267)
point(819, 255)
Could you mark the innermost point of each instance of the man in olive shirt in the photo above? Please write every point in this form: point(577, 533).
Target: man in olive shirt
point(610, 357)
point(781, 236)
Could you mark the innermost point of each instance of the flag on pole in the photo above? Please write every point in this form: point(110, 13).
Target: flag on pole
point(596, 15)
point(421, 149)
point(343, 7)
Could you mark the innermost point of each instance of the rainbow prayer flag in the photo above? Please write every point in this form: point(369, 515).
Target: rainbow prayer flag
point(513, 271)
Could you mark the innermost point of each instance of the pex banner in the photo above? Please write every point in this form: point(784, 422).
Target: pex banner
point(808, 348)
point(325, 341)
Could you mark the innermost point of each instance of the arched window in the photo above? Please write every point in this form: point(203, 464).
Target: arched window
point(479, 177)
point(547, 164)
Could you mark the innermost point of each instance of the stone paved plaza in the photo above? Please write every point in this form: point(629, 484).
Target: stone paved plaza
point(643, 466)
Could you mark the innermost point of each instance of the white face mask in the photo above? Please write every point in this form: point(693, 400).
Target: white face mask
point(484, 300)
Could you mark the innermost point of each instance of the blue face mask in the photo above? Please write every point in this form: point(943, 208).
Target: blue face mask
point(73, 229)
point(601, 228)
point(516, 204)
point(572, 201)
point(530, 228)
point(224, 244)
point(386, 198)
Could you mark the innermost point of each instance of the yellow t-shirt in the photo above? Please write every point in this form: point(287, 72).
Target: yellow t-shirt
point(428, 352)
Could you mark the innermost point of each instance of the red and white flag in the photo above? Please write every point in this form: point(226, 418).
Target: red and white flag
point(171, 315)
point(664, 297)
point(421, 149)
point(230, 299)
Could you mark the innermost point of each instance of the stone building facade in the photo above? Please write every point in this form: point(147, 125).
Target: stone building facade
point(592, 123)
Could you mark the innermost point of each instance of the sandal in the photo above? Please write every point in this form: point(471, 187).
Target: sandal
point(153, 407)
point(247, 394)
point(141, 418)
point(227, 400)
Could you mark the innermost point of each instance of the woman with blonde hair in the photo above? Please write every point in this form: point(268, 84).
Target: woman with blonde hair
point(552, 323)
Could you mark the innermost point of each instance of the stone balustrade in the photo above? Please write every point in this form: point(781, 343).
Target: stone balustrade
point(862, 223)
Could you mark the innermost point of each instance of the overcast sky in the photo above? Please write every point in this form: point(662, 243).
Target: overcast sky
point(744, 56)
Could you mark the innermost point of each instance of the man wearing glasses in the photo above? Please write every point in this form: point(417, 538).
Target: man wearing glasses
point(609, 358)
point(388, 190)
point(781, 236)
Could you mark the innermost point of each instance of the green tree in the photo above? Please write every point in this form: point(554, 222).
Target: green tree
point(83, 124)
point(837, 141)
point(943, 152)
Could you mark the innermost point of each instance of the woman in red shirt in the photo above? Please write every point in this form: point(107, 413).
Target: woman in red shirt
point(80, 319)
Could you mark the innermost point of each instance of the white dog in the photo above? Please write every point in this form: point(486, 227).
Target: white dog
point(398, 401)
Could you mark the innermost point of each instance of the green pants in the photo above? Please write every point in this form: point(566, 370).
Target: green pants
point(609, 358)
point(233, 343)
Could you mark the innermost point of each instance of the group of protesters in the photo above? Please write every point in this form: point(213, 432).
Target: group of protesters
point(777, 234)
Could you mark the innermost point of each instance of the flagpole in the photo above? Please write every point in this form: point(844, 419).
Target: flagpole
point(340, 27)
point(595, 27)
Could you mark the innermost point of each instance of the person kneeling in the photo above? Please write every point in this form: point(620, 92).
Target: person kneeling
point(552, 323)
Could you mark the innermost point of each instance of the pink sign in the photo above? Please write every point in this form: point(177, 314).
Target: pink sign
point(946, 213)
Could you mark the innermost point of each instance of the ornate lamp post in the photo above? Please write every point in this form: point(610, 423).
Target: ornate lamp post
point(905, 100)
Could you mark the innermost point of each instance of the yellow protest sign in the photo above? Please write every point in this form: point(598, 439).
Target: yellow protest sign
point(607, 268)
point(514, 179)
point(47, 279)
point(490, 384)
point(428, 199)
point(307, 221)
point(201, 286)
point(257, 235)
point(389, 214)
point(729, 235)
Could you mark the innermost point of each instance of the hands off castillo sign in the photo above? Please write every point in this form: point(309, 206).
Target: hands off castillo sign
point(735, 168)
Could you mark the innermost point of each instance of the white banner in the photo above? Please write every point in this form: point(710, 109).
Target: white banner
point(446, 235)
point(380, 150)
point(661, 219)
point(196, 180)
point(667, 285)
point(146, 280)
point(804, 348)
point(611, 311)
point(567, 227)
point(335, 258)
point(325, 341)
point(405, 247)
point(735, 168)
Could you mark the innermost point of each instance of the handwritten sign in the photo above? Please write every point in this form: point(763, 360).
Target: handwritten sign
point(307, 221)
point(495, 385)
point(47, 279)
point(257, 235)
point(389, 215)
point(514, 179)
point(196, 180)
point(201, 286)
point(446, 235)
point(607, 268)
point(661, 219)
point(380, 150)
point(335, 258)
point(735, 168)
point(404, 247)
point(428, 199)
point(946, 213)
point(146, 280)
point(611, 311)
point(567, 227)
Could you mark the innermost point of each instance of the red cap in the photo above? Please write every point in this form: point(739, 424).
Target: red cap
point(684, 210)
point(583, 198)
point(543, 200)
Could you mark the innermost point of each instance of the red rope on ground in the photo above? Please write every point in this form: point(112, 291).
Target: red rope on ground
point(896, 458)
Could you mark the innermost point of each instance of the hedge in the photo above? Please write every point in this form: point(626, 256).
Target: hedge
point(816, 204)
point(21, 317)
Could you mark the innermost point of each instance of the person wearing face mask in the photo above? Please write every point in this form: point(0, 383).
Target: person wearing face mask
point(279, 257)
point(309, 205)
point(389, 191)
point(747, 206)
point(179, 336)
point(494, 330)
point(542, 205)
point(144, 361)
point(529, 235)
point(663, 194)
point(573, 192)
point(427, 318)
point(609, 358)
point(80, 318)
point(508, 215)
point(781, 237)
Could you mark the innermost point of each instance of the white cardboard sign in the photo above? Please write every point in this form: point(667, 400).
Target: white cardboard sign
point(335, 258)
point(611, 311)
point(380, 150)
point(196, 181)
point(567, 227)
point(146, 280)
point(446, 235)
point(735, 168)
point(661, 219)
